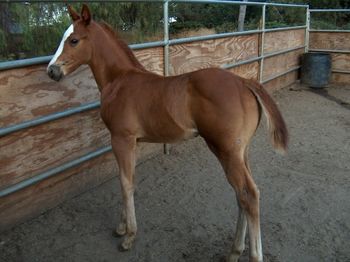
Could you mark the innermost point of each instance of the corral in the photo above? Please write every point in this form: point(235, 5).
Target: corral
point(186, 209)
point(298, 192)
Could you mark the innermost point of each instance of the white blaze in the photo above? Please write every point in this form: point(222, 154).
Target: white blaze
point(68, 32)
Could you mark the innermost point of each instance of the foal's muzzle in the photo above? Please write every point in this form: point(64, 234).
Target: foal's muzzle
point(55, 72)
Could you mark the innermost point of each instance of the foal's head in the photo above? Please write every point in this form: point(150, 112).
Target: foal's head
point(75, 48)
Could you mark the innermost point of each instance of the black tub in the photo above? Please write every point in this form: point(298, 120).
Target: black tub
point(316, 69)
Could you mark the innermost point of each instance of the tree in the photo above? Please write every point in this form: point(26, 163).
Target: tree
point(241, 17)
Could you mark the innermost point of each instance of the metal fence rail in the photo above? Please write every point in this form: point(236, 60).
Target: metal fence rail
point(329, 10)
point(162, 1)
point(165, 44)
point(45, 119)
point(54, 171)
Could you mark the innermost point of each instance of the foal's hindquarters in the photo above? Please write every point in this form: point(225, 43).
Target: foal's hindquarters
point(227, 121)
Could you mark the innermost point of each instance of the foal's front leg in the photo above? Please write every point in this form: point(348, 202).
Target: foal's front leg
point(124, 149)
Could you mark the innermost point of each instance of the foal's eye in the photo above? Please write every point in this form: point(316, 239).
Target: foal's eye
point(74, 41)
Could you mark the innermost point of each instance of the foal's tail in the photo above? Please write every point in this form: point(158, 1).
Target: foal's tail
point(276, 125)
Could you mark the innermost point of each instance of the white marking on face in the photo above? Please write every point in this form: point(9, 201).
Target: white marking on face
point(68, 32)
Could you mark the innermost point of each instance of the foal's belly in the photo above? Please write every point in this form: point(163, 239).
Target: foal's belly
point(171, 136)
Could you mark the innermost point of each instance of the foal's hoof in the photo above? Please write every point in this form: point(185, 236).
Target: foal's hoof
point(127, 243)
point(117, 234)
point(120, 231)
point(233, 257)
point(121, 248)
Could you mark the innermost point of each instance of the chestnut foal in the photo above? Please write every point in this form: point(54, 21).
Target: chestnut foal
point(137, 105)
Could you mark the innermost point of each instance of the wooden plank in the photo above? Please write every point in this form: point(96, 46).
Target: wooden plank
point(250, 71)
point(339, 78)
point(340, 61)
point(36, 199)
point(192, 56)
point(282, 81)
point(281, 63)
point(330, 40)
point(27, 93)
point(31, 151)
point(281, 40)
point(151, 59)
point(33, 200)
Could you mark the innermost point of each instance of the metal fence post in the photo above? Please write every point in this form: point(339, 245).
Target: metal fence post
point(307, 30)
point(262, 43)
point(166, 51)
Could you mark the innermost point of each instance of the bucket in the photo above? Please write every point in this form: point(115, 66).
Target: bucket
point(316, 69)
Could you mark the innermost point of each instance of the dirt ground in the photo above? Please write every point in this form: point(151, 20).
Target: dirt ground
point(186, 210)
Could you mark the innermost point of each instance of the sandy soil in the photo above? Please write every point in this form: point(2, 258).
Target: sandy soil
point(187, 212)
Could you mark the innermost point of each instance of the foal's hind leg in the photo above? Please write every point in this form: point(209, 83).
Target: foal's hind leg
point(238, 175)
point(125, 152)
point(238, 242)
point(247, 194)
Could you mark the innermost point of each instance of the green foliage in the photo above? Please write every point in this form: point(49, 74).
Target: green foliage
point(35, 29)
point(324, 20)
point(284, 16)
point(3, 43)
point(330, 20)
point(136, 22)
point(30, 29)
point(194, 16)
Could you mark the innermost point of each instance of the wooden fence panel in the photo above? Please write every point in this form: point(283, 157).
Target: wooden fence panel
point(339, 78)
point(250, 71)
point(281, 63)
point(340, 61)
point(34, 200)
point(192, 56)
point(281, 40)
point(282, 81)
point(151, 59)
point(31, 151)
point(27, 93)
point(330, 40)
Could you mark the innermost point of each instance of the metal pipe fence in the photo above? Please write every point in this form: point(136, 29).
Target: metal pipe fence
point(54, 171)
point(328, 11)
point(165, 44)
point(310, 30)
point(162, 1)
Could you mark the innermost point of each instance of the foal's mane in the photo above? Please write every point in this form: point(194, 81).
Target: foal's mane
point(122, 45)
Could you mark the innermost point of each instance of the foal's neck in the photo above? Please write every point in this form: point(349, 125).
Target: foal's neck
point(111, 57)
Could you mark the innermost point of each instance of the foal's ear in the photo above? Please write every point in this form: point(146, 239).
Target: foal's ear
point(85, 14)
point(73, 14)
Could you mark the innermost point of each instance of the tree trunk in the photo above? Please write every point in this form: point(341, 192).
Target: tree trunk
point(241, 17)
